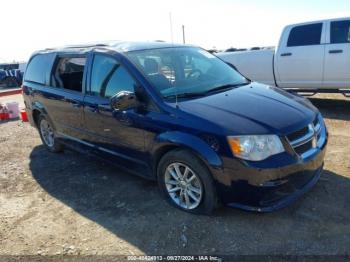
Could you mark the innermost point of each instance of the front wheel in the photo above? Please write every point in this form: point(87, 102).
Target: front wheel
point(47, 135)
point(186, 182)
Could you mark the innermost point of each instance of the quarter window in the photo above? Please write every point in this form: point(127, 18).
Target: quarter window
point(38, 68)
point(340, 32)
point(305, 35)
point(109, 77)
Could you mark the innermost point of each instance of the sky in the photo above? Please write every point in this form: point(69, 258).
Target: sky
point(30, 25)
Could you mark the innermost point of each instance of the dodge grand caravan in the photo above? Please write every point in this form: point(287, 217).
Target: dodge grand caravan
point(181, 116)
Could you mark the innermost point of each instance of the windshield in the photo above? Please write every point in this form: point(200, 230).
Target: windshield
point(185, 71)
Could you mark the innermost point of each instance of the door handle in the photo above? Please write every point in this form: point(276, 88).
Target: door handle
point(335, 51)
point(286, 54)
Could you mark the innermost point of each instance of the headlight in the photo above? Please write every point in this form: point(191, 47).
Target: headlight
point(255, 148)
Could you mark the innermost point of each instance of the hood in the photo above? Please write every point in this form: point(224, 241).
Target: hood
point(253, 109)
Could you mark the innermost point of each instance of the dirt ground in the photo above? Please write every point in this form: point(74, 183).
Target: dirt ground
point(72, 204)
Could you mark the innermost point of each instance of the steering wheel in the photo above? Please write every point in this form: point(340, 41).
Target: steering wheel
point(195, 74)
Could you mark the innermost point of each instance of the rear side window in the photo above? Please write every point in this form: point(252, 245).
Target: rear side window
point(340, 32)
point(68, 73)
point(305, 35)
point(109, 77)
point(38, 68)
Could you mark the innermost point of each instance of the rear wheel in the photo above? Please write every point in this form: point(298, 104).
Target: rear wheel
point(47, 135)
point(186, 182)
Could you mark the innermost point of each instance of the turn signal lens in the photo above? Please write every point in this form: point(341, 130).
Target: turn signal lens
point(235, 145)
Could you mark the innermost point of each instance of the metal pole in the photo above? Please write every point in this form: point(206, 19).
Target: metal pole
point(183, 34)
point(171, 28)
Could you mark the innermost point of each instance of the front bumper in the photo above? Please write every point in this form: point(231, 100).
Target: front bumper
point(271, 185)
point(270, 199)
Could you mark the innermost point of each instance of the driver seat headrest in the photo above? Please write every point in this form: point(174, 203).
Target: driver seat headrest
point(151, 66)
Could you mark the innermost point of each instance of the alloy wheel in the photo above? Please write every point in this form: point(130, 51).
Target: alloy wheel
point(47, 133)
point(183, 185)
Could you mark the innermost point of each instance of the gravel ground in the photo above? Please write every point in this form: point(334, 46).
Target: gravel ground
point(72, 204)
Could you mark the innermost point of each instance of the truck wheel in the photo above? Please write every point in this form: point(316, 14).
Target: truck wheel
point(186, 182)
point(47, 135)
point(10, 82)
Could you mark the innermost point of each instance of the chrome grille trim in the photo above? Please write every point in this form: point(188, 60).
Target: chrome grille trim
point(304, 139)
point(316, 132)
point(318, 127)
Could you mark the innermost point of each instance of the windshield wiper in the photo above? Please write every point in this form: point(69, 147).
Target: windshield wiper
point(201, 94)
point(226, 87)
point(185, 95)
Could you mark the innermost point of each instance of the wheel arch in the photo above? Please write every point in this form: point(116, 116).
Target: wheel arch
point(37, 110)
point(169, 141)
point(36, 113)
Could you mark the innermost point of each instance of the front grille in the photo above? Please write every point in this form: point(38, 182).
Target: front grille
point(303, 148)
point(306, 138)
point(295, 135)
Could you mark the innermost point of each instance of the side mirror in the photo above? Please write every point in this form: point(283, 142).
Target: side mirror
point(124, 100)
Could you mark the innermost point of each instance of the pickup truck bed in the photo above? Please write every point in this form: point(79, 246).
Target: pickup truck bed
point(261, 59)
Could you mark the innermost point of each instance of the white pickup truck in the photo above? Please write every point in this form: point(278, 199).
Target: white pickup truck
point(311, 56)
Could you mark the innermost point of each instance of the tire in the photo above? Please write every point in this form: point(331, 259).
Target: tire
point(47, 135)
point(11, 82)
point(201, 187)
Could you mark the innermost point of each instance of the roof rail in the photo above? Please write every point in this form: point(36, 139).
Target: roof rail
point(84, 46)
point(76, 46)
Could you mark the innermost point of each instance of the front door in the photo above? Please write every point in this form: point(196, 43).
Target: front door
point(115, 133)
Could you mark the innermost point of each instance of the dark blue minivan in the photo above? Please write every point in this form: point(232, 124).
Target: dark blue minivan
point(179, 115)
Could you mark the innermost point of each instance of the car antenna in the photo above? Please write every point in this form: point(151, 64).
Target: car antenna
point(176, 102)
point(172, 42)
